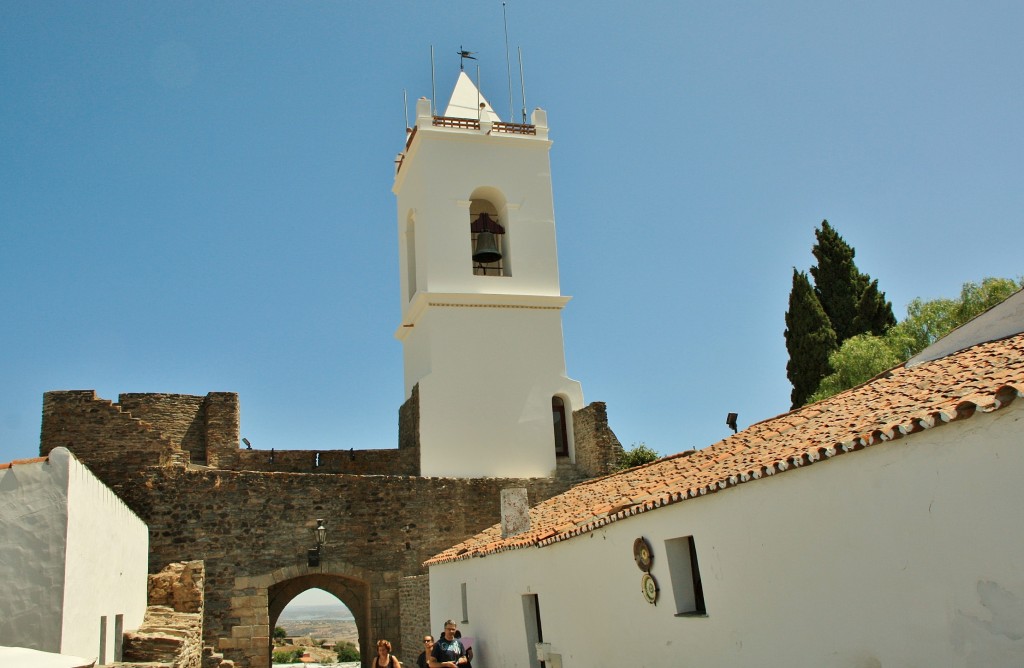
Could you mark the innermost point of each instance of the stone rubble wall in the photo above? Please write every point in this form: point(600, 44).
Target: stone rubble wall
point(597, 448)
point(245, 525)
point(146, 429)
point(353, 462)
point(178, 417)
point(103, 436)
point(171, 634)
point(414, 597)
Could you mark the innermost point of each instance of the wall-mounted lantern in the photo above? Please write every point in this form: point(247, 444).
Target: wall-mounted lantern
point(320, 534)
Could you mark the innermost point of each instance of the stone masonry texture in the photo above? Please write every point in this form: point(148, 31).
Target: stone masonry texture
point(176, 462)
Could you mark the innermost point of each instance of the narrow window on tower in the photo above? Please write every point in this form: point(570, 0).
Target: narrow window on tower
point(487, 240)
point(410, 257)
point(561, 434)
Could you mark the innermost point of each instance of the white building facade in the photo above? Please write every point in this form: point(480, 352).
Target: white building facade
point(481, 328)
point(878, 527)
point(903, 555)
point(73, 560)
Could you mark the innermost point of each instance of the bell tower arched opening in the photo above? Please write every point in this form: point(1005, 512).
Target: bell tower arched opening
point(490, 247)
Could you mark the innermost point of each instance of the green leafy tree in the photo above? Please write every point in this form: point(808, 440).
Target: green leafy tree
point(289, 656)
point(280, 633)
point(926, 323)
point(639, 454)
point(976, 298)
point(858, 360)
point(347, 652)
point(809, 340)
point(863, 357)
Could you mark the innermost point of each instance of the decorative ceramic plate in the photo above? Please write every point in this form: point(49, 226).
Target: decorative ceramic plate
point(650, 588)
point(642, 554)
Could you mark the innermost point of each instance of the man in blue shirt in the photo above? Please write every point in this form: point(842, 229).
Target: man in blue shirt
point(448, 650)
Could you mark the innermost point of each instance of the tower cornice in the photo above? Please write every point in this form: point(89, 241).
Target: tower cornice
point(428, 300)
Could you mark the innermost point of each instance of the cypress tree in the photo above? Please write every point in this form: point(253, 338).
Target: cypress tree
point(874, 314)
point(837, 283)
point(852, 301)
point(809, 340)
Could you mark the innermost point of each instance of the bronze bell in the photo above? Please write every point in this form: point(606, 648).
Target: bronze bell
point(486, 248)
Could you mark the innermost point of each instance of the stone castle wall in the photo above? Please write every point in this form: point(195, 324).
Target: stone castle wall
point(414, 597)
point(144, 429)
point(597, 448)
point(179, 417)
point(247, 524)
point(253, 528)
point(102, 435)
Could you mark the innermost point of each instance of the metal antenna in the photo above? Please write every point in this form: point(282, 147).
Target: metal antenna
point(522, 82)
point(405, 105)
point(433, 94)
point(508, 65)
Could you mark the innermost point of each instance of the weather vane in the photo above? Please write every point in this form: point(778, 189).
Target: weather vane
point(463, 54)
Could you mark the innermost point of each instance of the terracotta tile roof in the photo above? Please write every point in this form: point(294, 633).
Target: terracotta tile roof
point(899, 402)
point(20, 462)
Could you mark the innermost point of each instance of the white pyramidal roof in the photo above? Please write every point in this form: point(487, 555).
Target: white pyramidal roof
point(466, 100)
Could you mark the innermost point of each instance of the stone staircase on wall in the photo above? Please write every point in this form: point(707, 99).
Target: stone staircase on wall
point(171, 634)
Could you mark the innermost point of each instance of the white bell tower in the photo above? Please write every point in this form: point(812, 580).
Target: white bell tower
point(481, 306)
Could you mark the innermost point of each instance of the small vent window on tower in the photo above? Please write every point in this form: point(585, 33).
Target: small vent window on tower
point(488, 244)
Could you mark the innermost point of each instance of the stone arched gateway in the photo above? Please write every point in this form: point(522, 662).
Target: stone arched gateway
point(261, 599)
point(249, 514)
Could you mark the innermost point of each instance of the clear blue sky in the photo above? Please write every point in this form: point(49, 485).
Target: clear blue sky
point(195, 196)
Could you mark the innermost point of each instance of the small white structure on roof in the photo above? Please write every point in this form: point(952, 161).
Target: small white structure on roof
point(73, 560)
point(481, 325)
point(879, 527)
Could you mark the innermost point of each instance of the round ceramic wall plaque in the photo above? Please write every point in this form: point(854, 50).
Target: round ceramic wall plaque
point(642, 554)
point(650, 588)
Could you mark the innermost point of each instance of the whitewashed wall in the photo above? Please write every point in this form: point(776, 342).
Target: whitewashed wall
point(71, 552)
point(485, 407)
point(107, 564)
point(906, 554)
point(33, 532)
point(441, 171)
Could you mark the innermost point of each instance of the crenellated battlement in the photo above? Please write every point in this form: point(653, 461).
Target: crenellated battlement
point(142, 429)
point(153, 429)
